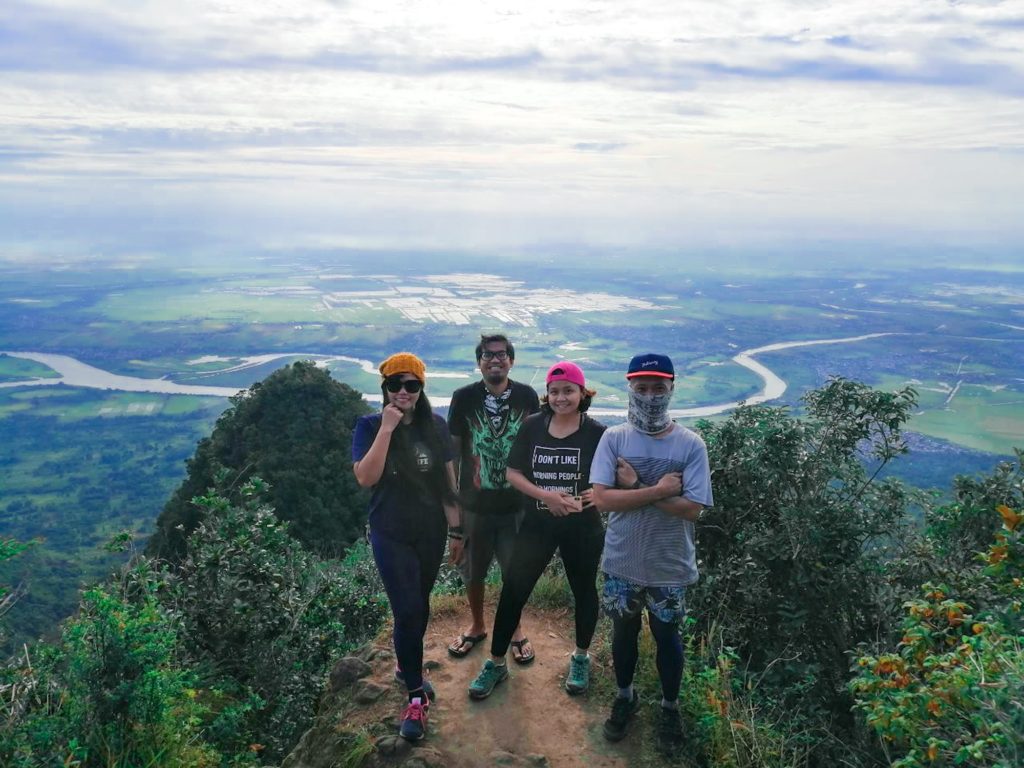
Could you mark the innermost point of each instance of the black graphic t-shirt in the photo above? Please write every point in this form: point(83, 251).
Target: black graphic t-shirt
point(487, 426)
point(397, 509)
point(555, 464)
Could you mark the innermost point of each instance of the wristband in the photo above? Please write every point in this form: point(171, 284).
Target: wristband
point(455, 529)
point(635, 486)
point(456, 536)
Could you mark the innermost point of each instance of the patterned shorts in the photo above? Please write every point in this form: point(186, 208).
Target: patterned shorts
point(623, 599)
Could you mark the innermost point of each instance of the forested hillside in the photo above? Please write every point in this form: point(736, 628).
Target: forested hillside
point(840, 619)
point(294, 430)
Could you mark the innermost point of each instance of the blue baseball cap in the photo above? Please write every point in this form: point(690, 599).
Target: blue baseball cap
point(650, 364)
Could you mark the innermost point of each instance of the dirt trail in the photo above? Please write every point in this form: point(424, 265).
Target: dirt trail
point(528, 714)
point(529, 720)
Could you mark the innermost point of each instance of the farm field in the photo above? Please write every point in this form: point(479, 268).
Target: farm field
point(79, 463)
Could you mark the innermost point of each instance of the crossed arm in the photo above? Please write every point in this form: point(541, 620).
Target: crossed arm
point(664, 494)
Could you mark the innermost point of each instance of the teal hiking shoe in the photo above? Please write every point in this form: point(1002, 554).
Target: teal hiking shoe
point(488, 679)
point(579, 674)
point(617, 724)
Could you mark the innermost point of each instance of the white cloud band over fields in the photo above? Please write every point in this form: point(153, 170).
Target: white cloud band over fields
point(161, 125)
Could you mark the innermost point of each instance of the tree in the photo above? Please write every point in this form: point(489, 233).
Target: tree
point(294, 429)
point(792, 567)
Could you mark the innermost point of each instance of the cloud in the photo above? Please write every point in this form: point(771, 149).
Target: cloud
point(631, 121)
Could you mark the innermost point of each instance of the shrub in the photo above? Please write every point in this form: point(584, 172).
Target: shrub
point(110, 694)
point(951, 692)
point(793, 551)
point(264, 618)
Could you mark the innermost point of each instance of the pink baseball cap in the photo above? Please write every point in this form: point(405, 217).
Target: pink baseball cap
point(566, 371)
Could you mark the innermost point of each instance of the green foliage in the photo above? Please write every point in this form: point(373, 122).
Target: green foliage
point(110, 694)
point(730, 725)
point(952, 692)
point(264, 618)
point(70, 483)
point(9, 548)
point(791, 572)
point(294, 429)
point(965, 526)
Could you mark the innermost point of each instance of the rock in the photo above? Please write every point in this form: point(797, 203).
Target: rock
point(425, 758)
point(370, 653)
point(510, 760)
point(392, 745)
point(346, 671)
point(368, 692)
point(432, 664)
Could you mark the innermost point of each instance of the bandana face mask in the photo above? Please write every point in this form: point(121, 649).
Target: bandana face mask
point(649, 413)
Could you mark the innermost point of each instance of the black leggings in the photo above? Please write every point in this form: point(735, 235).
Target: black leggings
point(669, 657)
point(579, 539)
point(409, 571)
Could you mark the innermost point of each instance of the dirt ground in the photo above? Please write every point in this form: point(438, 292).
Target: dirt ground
point(529, 720)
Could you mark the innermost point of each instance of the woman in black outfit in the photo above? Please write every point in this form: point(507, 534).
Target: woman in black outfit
point(550, 465)
point(404, 454)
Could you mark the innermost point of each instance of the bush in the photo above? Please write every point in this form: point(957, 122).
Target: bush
point(265, 619)
point(793, 552)
point(111, 694)
point(952, 692)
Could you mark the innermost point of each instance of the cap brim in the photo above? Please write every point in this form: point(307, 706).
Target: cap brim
point(650, 373)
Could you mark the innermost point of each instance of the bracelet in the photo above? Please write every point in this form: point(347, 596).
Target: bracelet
point(456, 536)
point(455, 529)
point(635, 486)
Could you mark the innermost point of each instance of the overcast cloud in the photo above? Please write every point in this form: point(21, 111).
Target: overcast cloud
point(163, 125)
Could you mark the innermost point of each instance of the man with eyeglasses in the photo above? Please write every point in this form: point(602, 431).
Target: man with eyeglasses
point(653, 478)
point(484, 419)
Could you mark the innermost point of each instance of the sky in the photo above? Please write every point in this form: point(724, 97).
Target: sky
point(172, 126)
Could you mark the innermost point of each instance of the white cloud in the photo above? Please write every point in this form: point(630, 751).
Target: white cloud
point(487, 124)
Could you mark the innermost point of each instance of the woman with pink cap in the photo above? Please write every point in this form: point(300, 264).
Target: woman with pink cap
point(550, 465)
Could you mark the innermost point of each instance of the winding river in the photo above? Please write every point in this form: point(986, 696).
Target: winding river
point(75, 373)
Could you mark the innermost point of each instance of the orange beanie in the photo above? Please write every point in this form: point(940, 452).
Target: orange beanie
point(404, 362)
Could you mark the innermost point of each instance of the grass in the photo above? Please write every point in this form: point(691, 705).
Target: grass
point(978, 416)
point(18, 369)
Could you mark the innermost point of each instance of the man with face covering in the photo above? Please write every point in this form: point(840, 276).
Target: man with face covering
point(652, 476)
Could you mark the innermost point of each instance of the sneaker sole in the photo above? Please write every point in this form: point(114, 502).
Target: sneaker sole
point(573, 690)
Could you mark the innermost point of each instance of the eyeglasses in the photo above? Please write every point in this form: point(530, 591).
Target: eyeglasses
point(412, 386)
point(501, 354)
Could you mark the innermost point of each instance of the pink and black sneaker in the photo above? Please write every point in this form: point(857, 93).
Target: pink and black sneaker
point(414, 721)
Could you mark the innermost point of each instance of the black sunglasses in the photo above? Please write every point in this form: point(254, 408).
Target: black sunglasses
point(412, 386)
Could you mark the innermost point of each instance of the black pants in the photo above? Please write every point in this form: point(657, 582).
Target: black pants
point(409, 570)
point(579, 539)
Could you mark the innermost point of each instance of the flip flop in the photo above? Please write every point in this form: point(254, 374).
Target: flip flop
point(464, 643)
point(523, 657)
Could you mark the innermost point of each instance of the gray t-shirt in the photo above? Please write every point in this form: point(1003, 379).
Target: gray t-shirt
point(645, 545)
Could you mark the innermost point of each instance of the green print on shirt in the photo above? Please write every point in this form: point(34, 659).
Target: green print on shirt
point(490, 449)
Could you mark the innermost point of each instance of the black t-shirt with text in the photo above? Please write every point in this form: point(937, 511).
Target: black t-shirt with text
point(487, 426)
point(555, 464)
